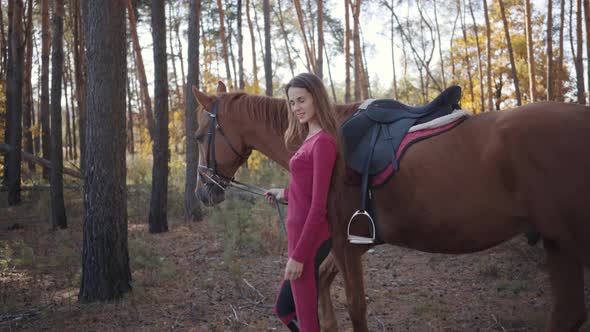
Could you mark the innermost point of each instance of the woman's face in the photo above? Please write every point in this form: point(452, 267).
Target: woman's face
point(301, 104)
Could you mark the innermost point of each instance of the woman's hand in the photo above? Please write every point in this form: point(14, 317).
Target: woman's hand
point(293, 269)
point(275, 193)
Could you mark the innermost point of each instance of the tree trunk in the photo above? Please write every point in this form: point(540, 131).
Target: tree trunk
point(80, 73)
point(224, 43)
point(68, 135)
point(240, 47)
point(286, 39)
point(143, 85)
point(72, 98)
point(105, 259)
point(311, 65)
point(587, 26)
point(488, 56)
point(159, 199)
point(442, 63)
point(578, 54)
point(45, 135)
point(530, 51)
point(27, 84)
point(14, 93)
point(330, 77)
point(358, 60)
point(549, 50)
point(58, 210)
point(320, 60)
point(347, 53)
point(511, 54)
point(394, 92)
point(466, 58)
point(192, 209)
point(253, 45)
point(479, 65)
point(130, 138)
point(559, 71)
point(173, 61)
point(267, 53)
point(3, 48)
point(176, 29)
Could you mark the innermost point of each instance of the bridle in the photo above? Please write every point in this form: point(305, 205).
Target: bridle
point(212, 174)
point(210, 170)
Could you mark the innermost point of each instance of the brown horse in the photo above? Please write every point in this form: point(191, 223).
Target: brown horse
point(471, 188)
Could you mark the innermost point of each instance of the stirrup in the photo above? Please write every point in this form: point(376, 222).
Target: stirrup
point(356, 239)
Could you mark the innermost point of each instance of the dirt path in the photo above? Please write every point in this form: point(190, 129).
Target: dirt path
point(183, 281)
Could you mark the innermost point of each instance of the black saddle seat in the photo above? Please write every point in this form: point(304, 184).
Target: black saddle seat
point(389, 110)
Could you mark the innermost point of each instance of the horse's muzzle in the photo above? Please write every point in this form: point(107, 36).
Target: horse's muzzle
point(210, 194)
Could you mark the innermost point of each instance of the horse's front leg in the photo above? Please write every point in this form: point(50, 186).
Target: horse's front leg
point(350, 263)
point(328, 271)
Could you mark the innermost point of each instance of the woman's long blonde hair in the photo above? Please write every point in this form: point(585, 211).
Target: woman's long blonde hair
point(296, 132)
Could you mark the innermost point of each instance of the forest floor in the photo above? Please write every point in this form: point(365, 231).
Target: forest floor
point(188, 280)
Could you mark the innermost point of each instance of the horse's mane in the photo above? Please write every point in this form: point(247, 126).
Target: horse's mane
point(272, 111)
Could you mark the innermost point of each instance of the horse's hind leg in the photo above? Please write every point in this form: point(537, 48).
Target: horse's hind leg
point(328, 272)
point(567, 284)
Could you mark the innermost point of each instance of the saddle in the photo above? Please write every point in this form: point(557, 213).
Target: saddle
point(372, 135)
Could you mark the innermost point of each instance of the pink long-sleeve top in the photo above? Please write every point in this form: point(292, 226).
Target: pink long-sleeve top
point(307, 217)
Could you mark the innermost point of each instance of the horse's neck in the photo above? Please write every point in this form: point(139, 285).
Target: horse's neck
point(261, 136)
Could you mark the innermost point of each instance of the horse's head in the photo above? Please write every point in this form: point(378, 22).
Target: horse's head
point(222, 149)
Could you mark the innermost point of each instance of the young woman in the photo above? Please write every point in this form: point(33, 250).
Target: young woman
point(312, 132)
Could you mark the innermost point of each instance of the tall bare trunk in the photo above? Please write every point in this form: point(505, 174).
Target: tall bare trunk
point(285, 38)
point(479, 65)
point(240, 48)
point(224, 53)
point(267, 53)
point(510, 53)
point(440, 54)
point(587, 23)
point(530, 51)
point(183, 76)
point(14, 95)
point(27, 84)
point(309, 53)
point(105, 259)
point(143, 85)
point(58, 210)
point(158, 220)
point(578, 54)
point(466, 57)
point(549, 50)
point(320, 55)
point(253, 44)
point(45, 136)
point(559, 80)
point(173, 61)
point(347, 53)
point(358, 60)
point(488, 57)
point(192, 209)
point(80, 69)
point(3, 48)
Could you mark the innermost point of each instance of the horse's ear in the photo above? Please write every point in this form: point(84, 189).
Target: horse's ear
point(221, 88)
point(203, 98)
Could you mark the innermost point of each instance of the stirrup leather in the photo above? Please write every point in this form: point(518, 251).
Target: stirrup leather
point(356, 239)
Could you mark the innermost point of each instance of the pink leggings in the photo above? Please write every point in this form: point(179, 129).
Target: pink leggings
point(297, 300)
